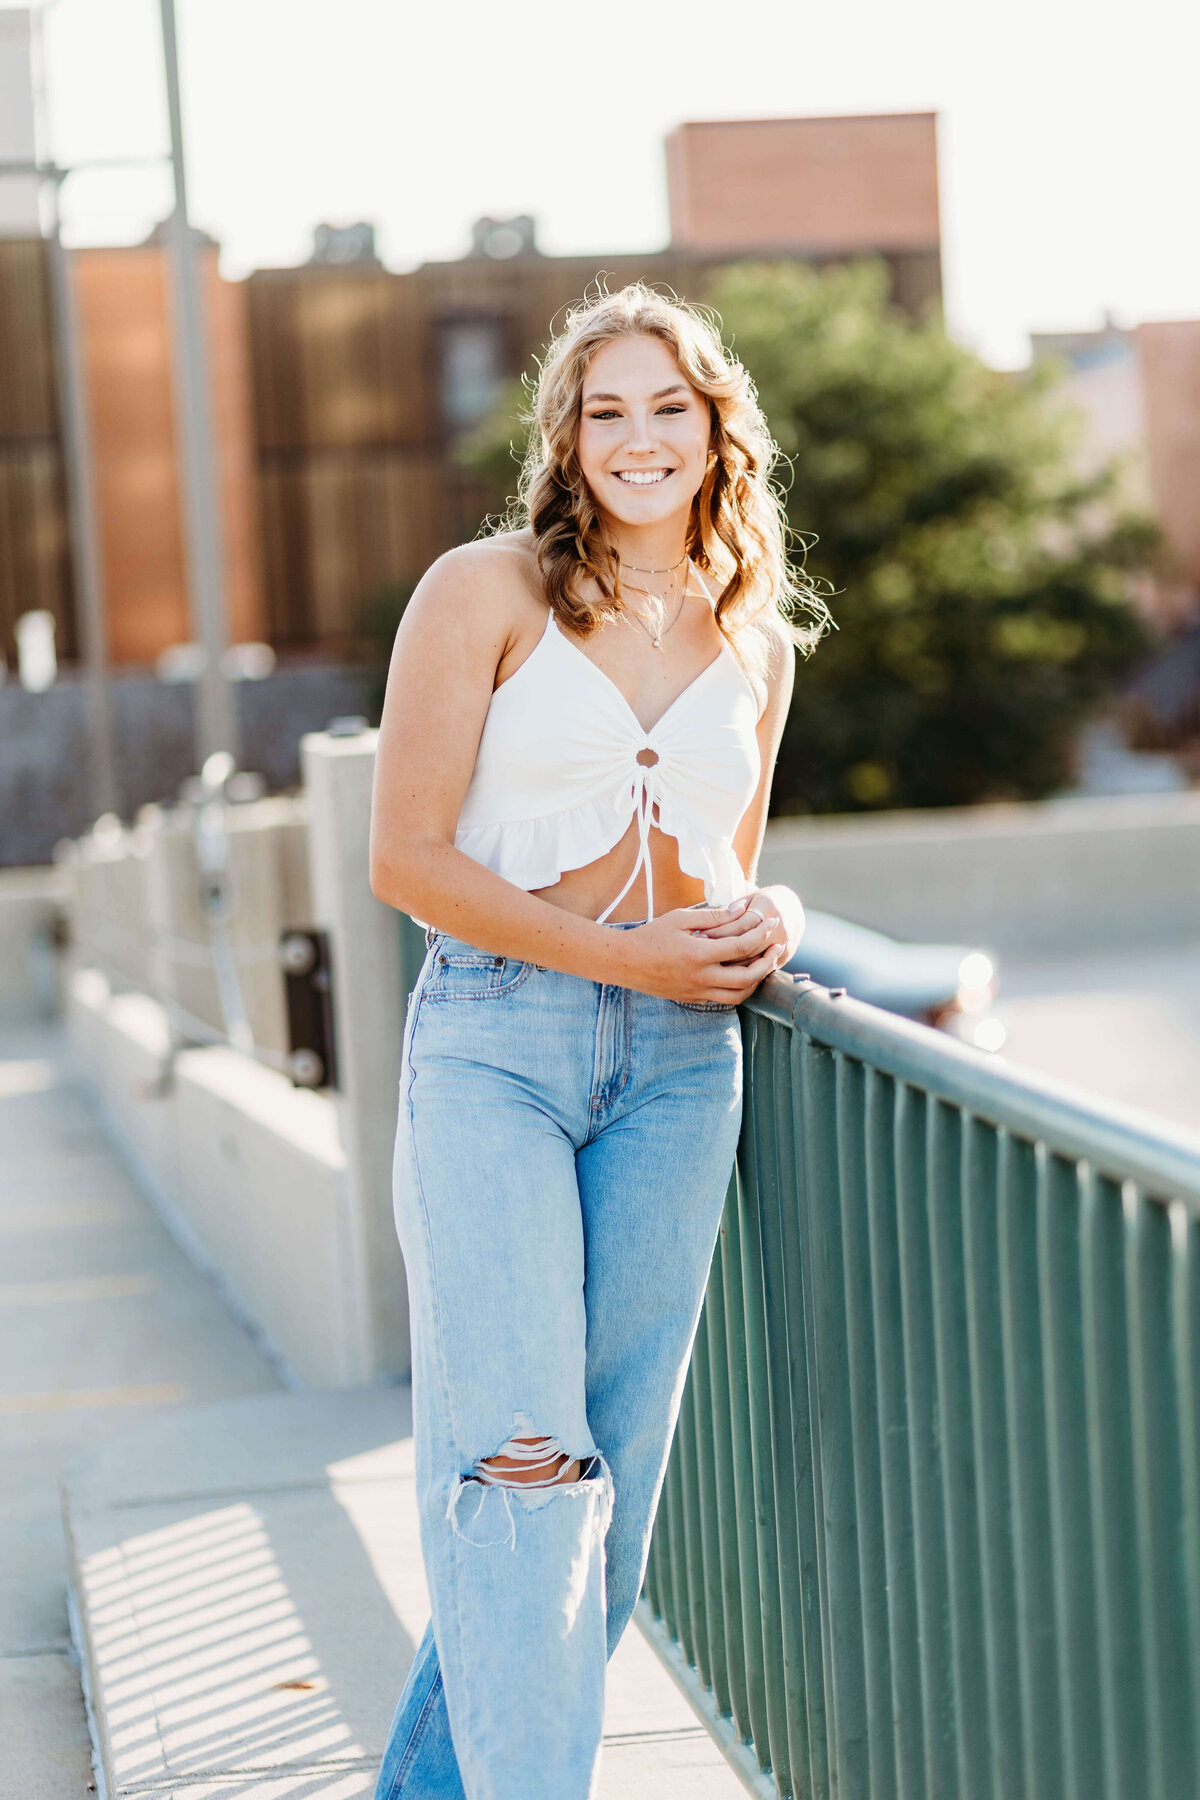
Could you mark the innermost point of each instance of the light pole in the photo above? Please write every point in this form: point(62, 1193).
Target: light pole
point(104, 778)
point(81, 506)
point(216, 718)
point(215, 715)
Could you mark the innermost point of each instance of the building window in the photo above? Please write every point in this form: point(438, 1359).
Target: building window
point(472, 370)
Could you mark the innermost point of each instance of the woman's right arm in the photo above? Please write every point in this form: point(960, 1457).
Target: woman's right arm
point(466, 612)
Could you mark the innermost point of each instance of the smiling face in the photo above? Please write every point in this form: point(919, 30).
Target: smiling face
point(643, 435)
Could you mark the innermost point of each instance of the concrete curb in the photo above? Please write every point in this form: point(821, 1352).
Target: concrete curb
point(80, 1657)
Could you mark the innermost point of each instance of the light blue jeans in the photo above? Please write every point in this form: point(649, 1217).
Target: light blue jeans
point(562, 1156)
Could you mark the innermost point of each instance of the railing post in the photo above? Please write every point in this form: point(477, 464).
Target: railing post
point(368, 1011)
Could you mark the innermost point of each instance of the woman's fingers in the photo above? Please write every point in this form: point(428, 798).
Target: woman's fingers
point(736, 949)
point(704, 920)
point(739, 980)
point(746, 921)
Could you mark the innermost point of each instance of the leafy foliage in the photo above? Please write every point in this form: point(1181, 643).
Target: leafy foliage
point(378, 618)
point(495, 449)
point(982, 591)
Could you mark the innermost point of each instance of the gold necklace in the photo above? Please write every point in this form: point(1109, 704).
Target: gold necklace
point(656, 634)
point(638, 570)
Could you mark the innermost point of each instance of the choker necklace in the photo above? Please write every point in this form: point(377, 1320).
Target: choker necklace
point(638, 570)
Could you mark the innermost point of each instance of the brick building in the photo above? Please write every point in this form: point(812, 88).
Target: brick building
point(1138, 393)
point(342, 387)
point(364, 379)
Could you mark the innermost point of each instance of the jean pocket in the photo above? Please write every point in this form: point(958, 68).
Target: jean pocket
point(474, 975)
point(706, 1006)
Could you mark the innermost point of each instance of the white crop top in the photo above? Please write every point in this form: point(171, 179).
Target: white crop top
point(557, 777)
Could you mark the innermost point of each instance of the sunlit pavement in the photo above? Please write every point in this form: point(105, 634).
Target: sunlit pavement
point(252, 1582)
point(103, 1323)
point(248, 1569)
point(1124, 1024)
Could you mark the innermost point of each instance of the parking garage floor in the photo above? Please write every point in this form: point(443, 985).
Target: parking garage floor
point(1126, 1025)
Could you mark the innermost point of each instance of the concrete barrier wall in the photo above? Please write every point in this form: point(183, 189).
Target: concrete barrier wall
point(31, 901)
point(134, 901)
point(285, 1195)
point(263, 1184)
point(121, 1046)
point(248, 1171)
point(106, 875)
point(182, 968)
point(1061, 876)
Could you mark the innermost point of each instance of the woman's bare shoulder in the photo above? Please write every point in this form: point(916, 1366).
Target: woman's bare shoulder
point(492, 583)
point(783, 645)
point(777, 670)
point(506, 556)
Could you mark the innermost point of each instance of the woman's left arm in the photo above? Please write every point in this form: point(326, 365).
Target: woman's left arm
point(777, 904)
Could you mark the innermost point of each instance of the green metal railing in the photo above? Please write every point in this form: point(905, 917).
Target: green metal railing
point(931, 1524)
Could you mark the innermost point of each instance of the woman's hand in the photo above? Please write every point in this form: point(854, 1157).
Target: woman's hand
point(760, 907)
point(711, 953)
point(781, 909)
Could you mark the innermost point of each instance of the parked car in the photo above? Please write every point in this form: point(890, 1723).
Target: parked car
point(951, 986)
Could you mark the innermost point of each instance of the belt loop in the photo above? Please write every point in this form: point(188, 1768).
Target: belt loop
point(430, 934)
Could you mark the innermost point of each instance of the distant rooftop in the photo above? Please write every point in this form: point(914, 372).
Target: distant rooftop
point(859, 183)
point(1108, 343)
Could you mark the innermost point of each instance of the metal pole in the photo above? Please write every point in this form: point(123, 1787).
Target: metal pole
point(81, 505)
point(90, 608)
point(216, 719)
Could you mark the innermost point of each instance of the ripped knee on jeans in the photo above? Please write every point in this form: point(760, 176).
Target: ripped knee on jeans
point(530, 1462)
point(529, 1471)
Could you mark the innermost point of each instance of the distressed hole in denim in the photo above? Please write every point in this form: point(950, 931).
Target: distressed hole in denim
point(528, 1472)
point(528, 1462)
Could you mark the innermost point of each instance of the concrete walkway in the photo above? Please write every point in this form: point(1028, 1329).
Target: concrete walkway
point(251, 1584)
point(248, 1569)
point(103, 1322)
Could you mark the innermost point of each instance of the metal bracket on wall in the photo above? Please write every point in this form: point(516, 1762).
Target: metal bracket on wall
point(308, 986)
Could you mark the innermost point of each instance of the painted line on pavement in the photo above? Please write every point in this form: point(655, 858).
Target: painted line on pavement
point(86, 1287)
point(89, 1399)
point(64, 1215)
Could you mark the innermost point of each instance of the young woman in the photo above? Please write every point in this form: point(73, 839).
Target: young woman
point(574, 764)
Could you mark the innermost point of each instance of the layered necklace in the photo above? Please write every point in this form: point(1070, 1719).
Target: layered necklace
point(655, 626)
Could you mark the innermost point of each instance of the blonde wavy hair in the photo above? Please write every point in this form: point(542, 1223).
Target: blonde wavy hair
point(738, 532)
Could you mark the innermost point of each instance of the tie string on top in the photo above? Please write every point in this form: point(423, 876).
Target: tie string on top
point(643, 791)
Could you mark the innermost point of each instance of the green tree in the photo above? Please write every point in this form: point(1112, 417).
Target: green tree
point(379, 615)
point(982, 591)
point(495, 449)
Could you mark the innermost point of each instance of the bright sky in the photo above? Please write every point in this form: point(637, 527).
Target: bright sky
point(1069, 129)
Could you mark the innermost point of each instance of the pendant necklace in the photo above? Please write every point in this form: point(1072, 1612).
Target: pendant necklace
point(656, 634)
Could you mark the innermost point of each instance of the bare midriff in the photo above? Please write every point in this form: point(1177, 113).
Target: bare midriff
point(588, 891)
